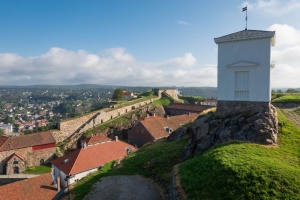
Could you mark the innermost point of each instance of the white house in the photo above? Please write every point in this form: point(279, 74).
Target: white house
point(80, 163)
point(244, 70)
point(209, 102)
point(128, 95)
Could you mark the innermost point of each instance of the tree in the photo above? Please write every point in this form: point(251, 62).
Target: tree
point(291, 90)
point(279, 91)
point(118, 94)
point(1, 132)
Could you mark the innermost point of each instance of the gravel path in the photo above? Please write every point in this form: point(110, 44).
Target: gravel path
point(133, 187)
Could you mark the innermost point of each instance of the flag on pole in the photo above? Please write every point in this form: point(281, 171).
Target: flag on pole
point(245, 8)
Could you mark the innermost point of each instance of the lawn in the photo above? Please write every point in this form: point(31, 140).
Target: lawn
point(246, 170)
point(153, 161)
point(163, 101)
point(288, 98)
point(41, 169)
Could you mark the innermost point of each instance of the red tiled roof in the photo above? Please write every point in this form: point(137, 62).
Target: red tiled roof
point(188, 107)
point(15, 154)
point(96, 139)
point(29, 140)
point(91, 157)
point(156, 125)
point(36, 188)
point(3, 139)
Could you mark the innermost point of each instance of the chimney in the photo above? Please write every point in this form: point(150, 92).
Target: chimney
point(168, 117)
point(116, 138)
point(147, 115)
point(84, 145)
point(196, 102)
point(153, 114)
point(189, 113)
point(58, 183)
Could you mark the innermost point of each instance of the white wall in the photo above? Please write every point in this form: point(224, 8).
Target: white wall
point(72, 180)
point(256, 51)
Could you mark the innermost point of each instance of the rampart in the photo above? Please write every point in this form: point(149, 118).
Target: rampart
point(73, 127)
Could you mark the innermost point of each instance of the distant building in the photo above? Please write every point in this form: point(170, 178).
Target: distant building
point(88, 159)
point(128, 95)
point(7, 128)
point(244, 71)
point(153, 128)
point(209, 102)
point(180, 109)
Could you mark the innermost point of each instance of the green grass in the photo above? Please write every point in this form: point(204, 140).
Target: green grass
point(163, 101)
point(246, 170)
point(192, 99)
point(153, 161)
point(288, 98)
point(42, 169)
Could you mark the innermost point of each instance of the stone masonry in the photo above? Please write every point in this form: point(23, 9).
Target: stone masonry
point(78, 125)
point(211, 129)
point(226, 108)
point(31, 157)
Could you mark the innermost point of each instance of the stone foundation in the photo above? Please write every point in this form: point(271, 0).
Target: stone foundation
point(226, 108)
point(211, 129)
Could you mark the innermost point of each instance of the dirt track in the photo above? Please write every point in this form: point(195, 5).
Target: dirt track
point(124, 187)
point(292, 116)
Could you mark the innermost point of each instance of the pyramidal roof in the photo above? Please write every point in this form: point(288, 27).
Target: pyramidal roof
point(246, 35)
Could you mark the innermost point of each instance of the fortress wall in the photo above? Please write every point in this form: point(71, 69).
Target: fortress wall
point(81, 124)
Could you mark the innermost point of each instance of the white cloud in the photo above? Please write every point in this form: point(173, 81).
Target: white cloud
point(182, 22)
point(112, 66)
point(274, 7)
point(286, 56)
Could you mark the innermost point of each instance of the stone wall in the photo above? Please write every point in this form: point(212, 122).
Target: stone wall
point(209, 130)
point(73, 127)
point(15, 161)
point(226, 108)
point(31, 157)
point(173, 94)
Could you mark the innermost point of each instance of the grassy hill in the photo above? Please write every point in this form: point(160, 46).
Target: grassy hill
point(246, 170)
point(295, 98)
point(230, 171)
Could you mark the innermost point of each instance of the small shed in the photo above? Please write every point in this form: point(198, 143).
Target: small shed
point(244, 66)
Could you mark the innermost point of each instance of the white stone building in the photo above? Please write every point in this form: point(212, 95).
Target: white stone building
point(244, 71)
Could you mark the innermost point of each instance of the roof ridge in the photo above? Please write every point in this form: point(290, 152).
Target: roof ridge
point(4, 143)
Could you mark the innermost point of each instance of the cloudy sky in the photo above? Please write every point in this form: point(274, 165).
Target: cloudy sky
point(137, 43)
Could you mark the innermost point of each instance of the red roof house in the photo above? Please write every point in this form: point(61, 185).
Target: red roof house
point(34, 149)
point(84, 161)
point(153, 128)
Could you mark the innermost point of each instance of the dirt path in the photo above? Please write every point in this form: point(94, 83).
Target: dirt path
point(124, 187)
point(292, 116)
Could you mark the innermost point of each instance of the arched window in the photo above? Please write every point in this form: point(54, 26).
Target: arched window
point(42, 161)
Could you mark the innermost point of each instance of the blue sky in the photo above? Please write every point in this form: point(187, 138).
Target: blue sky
point(134, 42)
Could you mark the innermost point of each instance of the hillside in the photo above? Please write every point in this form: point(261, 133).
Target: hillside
point(236, 170)
point(246, 170)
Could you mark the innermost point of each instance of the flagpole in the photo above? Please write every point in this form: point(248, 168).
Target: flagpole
point(246, 17)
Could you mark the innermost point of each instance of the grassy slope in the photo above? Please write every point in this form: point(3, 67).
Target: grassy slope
point(41, 169)
point(288, 98)
point(164, 101)
point(246, 170)
point(153, 161)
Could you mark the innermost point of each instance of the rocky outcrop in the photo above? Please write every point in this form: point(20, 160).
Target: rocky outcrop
point(210, 129)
